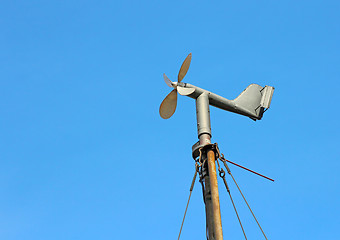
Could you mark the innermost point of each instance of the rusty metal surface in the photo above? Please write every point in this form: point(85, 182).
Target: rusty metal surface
point(261, 175)
point(216, 212)
point(208, 208)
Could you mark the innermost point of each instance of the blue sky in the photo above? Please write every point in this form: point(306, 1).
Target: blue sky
point(84, 153)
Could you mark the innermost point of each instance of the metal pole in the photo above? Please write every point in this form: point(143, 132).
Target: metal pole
point(213, 213)
point(208, 204)
point(215, 196)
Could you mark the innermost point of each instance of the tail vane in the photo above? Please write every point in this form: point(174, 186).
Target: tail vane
point(255, 99)
point(267, 94)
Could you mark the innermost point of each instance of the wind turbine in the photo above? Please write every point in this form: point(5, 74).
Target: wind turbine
point(252, 102)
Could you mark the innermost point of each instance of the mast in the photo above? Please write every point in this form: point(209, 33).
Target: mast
point(252, 102)
point(211, 195)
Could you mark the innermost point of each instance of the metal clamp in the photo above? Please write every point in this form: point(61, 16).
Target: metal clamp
point(197, 147)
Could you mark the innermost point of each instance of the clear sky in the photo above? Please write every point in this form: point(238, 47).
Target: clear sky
point(84, 153)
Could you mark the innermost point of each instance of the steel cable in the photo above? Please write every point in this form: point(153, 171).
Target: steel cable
point(186, 209)
point(222, 175)
point(229, 172)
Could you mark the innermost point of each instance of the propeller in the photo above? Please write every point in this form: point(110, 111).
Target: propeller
point(168, 106)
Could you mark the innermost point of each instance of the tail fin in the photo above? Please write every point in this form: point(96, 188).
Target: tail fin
point(255, 100)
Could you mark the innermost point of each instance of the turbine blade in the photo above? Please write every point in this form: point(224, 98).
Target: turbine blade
point(185, 91)
point(168, 106)
point(167, 80)
point(184, 68)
